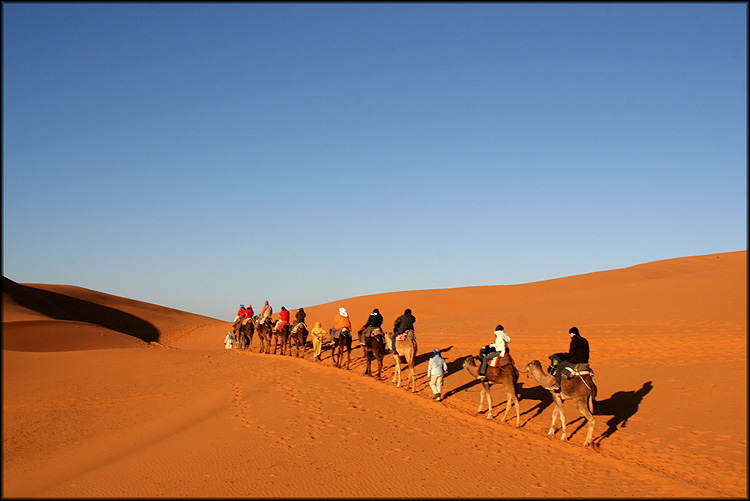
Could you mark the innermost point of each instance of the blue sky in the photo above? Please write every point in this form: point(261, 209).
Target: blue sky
point(199, 156)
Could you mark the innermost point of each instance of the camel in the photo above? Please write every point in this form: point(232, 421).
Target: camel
point(374, 348)
point(344, 341)
point(236, 328)
point(407, 349)
point(264, 334)
point(581, 389)
point(244, 329)
point(281, 338)
point(297, 338)
point(507, 376)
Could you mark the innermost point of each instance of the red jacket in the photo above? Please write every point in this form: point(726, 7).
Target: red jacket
point(284, 315)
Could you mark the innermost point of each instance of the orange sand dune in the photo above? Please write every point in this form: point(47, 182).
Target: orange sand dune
point(110, 397)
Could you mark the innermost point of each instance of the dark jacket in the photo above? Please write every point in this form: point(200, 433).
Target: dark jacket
point(578, 352)
point(300, 316)
point(404, 323)
point(374, 320)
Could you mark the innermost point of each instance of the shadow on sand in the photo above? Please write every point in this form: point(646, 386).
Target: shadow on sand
point(62, 307)
point(622, 405)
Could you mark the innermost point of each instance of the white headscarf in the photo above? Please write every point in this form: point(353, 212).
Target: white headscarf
point(343, 313)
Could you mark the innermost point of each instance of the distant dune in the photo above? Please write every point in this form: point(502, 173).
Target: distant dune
point(110, 397)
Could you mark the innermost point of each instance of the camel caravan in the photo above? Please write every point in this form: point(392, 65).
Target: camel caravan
point(568, 377)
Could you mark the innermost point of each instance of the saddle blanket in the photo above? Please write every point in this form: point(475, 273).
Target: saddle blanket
point(344, 332)
point(500, 361)
point(403, 335)
point(581, 369)
point(296, 327)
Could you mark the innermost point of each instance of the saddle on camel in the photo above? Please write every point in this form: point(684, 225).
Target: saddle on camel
point(579, 369)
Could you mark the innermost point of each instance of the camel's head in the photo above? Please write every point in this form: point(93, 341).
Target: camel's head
point(470, 360)
point(533, 366)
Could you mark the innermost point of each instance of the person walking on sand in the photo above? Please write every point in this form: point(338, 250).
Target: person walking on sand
point(228, 340)
point(317, 340)
point(499, 349)
point(578, 353)
point(436, 369)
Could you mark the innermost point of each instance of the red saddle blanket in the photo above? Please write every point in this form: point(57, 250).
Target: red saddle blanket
point(500, 361)
point(403, 335)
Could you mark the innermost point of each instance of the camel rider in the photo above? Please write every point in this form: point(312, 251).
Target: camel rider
point(342, 322)
point(265, 313)
point(299, 317)
point(578, 353)
point(249, 313)
point(500, 347)
point(240, 313)
point(283, 319)
point(402, 324)
point(374, 320)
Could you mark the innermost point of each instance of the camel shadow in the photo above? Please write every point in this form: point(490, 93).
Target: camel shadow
point(62, 307)
point(542, 396)
point(622, 405)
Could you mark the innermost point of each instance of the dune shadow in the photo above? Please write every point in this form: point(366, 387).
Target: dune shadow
point(62, 307)
point(622, 405)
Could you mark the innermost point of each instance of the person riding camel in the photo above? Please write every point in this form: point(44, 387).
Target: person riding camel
point(402, 324)
point(374, 320)
point(265, 313)
point(283, 319)
point(578, 353)
point(299, 317)
point(240, 313)
point(497, 349)
point(249, 313)
point(342, 322)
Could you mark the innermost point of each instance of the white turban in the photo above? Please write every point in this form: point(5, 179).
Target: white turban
point(343, 313)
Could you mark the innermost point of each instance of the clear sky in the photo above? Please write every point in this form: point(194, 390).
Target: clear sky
point(199, 156)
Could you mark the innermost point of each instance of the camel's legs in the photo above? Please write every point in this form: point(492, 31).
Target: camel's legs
point(397, 372)
point(508, 404)
point(583, 409)
point(558, 410)
point(518, 408)
point(561, 412)
point(482, 398)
